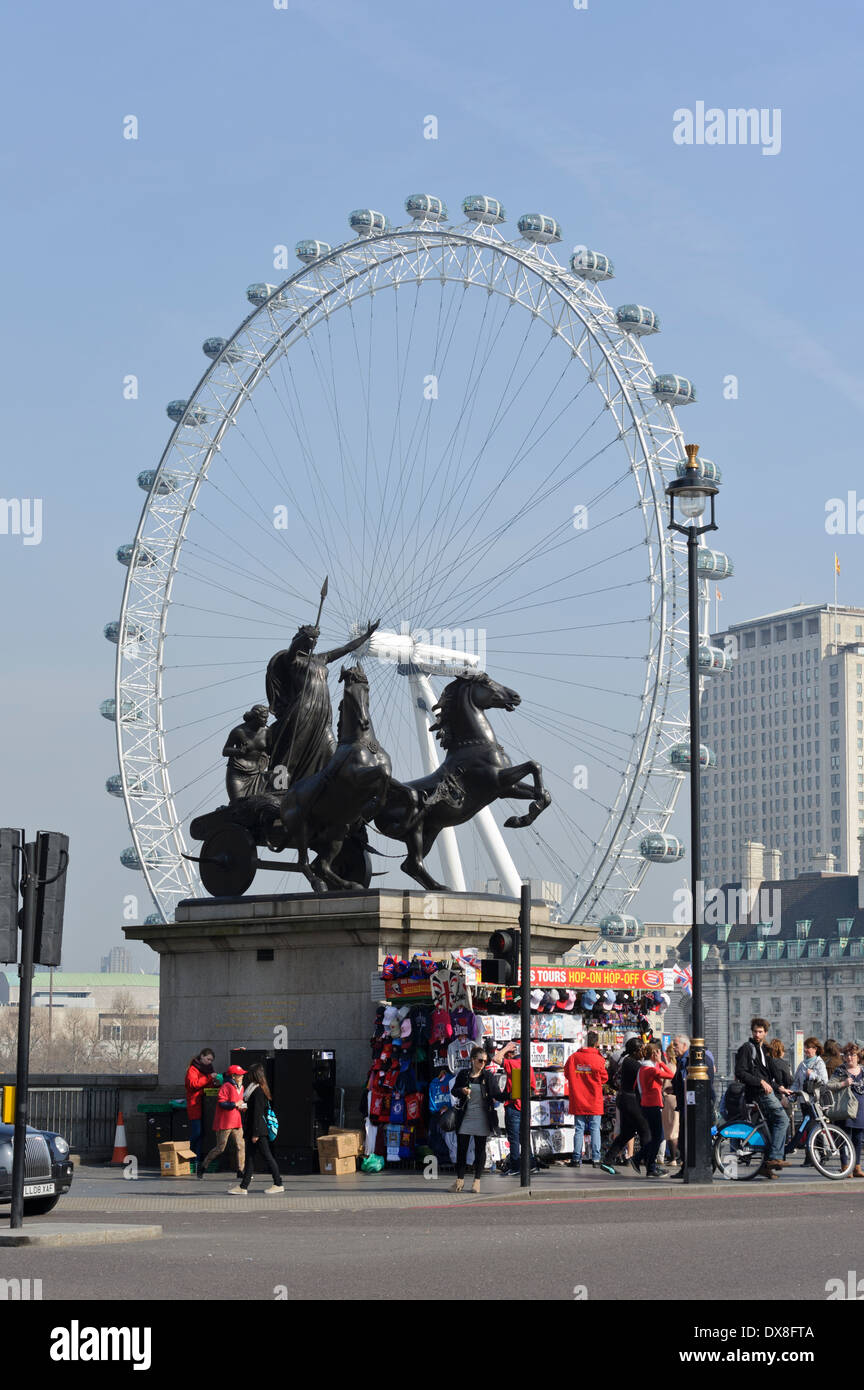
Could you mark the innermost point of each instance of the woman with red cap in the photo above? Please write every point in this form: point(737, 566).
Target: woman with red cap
point(228, 1121)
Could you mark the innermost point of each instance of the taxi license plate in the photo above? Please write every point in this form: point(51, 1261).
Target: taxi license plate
point(39, 1189)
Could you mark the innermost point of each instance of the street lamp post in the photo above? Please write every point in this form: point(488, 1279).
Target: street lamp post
point(690, 493)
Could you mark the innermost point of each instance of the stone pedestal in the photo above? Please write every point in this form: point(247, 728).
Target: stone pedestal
point(296, 970)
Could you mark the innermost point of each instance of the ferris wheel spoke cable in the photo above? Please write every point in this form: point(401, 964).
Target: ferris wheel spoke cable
point(541, 546)
point(572, 574)
point(320, 532)
point(439, 480)
point(471, 558)
point(599, 750)
point(266, 526)
point(544, 546)
point(342, 495)
point(455, 492)
point(327, 555)
point(441, 484)
point(519, 457)
point(314, 535)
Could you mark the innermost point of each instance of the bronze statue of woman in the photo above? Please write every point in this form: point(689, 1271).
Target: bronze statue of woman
point(246, 751)
point(301, 738)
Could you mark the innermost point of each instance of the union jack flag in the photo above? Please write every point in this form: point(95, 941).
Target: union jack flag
point(684, 977)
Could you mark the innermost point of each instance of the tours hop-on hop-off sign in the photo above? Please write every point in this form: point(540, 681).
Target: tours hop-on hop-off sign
point(590, 976)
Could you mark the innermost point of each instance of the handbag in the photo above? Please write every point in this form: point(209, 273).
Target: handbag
point(447, 1119)
point(845, 1106)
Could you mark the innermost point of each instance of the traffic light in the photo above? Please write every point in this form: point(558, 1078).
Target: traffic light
point(10, 873)
point(52, 856)
point(503, 968)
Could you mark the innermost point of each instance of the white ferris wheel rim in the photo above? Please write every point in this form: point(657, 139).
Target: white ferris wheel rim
point(529, 276)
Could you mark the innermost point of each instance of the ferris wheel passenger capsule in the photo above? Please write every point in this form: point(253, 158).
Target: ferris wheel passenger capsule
point(674, 390)
point(679, 756)
point(620, 926)
point(131, 711)
point(713, 564)
point(705, 469)
point(215, 348)
point(129, 859)
point(114, 784)
point(478, 208)
point(423, 207)
point(712, 659)
point(364, 221)
point(309, 251)
point(537, 227)
point(636, 319)
point(661, 849)
point(152, 919)
point(260, 293)
point(591, 265)
point(167, 482)
point(189, 415)
point(144, 556)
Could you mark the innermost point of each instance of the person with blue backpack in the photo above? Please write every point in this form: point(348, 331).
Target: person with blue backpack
point(260, 1128)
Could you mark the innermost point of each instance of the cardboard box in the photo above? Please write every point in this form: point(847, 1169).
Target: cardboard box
point(358, 1136)
point(175, 1159)
point(342, 1145)
point(336, 1167)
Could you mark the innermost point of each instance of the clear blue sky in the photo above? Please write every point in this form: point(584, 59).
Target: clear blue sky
point(258, 126)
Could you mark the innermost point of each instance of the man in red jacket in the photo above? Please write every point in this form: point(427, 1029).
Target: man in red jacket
point(586, 1076)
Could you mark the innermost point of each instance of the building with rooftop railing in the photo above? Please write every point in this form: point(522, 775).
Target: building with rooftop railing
point(796, 959)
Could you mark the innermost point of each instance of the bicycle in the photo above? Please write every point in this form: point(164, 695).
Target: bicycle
point(741, 1146)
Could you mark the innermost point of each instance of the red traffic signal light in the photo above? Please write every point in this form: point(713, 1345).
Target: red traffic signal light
point(503, 968)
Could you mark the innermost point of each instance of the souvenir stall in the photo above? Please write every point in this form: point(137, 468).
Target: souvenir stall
point(432, 1013)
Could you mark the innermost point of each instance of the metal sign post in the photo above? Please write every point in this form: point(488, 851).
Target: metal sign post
point(525, 1041)
point(25, 992)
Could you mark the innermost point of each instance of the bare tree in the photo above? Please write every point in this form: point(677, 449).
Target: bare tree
point(128, 1035)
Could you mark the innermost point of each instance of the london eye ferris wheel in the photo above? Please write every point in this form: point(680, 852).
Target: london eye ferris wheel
point(470, 441)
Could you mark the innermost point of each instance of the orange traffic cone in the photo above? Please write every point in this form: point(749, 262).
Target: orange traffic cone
point(120, 1149)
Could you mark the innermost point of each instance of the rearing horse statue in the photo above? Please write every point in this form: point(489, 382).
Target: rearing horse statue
point(475, 772)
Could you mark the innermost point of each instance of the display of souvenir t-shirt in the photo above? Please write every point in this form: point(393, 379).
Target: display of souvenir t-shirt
point(459, 1054)
point(393, 1138)
point(465, 1024)
point(540, 1083)
point(540, 1054)
point(539, 1112)
point(559, 1113)
point(439, 1093)
point(556, 1054)
point(556, 1083)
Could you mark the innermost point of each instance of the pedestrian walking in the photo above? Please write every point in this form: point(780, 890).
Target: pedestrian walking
point(228, 1121)
point(812, 1067)
point(847, 1083)
point(632, 1123)
point(476, 1118)
point(832, 1056)
point(586, 1076)
point(671, 1118)
point(753, 1068)
point(649, 1085)
point(256, 1134)
point(781, 1068)
point(199, 1077)
point(508, 1057)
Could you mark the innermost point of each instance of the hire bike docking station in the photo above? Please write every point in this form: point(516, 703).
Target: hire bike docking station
point(298, 970)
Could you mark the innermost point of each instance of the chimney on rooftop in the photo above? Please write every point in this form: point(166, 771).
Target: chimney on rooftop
point(824, 862)
point(771, 862)
point(752, 873)
point(861, 870)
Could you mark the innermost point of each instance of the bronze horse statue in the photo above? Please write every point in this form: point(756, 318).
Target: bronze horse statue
point(475, 772)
